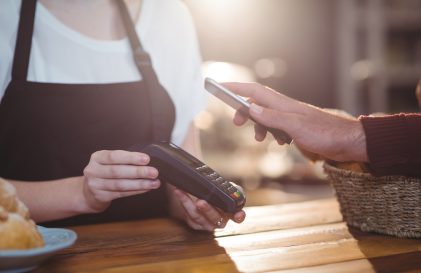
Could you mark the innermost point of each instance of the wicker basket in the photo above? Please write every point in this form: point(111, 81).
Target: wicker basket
point(389, 204)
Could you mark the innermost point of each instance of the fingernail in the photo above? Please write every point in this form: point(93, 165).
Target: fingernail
point(178, 193)
point(153, 172)
point(155, 184)
point(144, 158)
point(256, 108)
point(202, 205)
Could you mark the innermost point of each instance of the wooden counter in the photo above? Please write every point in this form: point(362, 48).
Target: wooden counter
point(297, 237)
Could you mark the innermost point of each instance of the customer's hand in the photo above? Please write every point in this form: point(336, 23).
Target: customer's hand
point(114, 174)
point(199, 214)
point(313, 129)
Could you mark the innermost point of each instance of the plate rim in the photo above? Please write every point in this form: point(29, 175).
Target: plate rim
point(44, 250)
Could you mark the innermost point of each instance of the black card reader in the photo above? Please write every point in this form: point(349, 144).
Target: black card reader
point(184, 171)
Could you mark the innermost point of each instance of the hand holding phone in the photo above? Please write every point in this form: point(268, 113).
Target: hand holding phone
point(240, 104)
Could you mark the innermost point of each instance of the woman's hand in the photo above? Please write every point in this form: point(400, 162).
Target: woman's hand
point(199, 214)
point(114, 174)
point(313, 129)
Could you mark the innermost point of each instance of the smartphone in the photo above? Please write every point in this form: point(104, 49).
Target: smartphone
point(240, 104)
point(233, 100)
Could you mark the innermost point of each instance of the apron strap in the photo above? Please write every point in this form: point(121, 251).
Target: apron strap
point(143, 63)
point(24, 40)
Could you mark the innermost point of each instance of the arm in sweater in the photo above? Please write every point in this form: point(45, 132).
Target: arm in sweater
point(393, 144)
point(389, 144)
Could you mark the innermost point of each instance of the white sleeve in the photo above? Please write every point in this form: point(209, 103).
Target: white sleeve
point(194, 98)
point(9, 19)
point(178, 64)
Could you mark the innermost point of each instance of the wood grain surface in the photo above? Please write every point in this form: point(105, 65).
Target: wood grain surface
point(294, 238)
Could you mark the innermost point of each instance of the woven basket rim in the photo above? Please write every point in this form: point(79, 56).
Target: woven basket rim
point(384, 204)
point(329, 167)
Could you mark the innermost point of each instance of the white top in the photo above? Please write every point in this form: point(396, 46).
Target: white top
point(165, 29)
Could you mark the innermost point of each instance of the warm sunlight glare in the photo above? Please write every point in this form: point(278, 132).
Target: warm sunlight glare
point(223, 72)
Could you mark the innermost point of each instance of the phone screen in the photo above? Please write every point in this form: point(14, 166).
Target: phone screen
point(227, 96)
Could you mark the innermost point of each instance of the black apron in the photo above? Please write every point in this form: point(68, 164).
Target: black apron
point(49, 131)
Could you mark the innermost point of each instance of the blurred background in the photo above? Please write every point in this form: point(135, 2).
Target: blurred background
point(361, 56)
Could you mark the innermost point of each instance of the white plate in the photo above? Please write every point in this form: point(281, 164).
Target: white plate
point(16, 261)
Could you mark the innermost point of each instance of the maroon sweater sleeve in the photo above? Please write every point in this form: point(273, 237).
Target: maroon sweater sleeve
point(394, 144)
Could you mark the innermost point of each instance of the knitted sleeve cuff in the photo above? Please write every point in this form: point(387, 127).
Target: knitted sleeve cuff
point(388, 142)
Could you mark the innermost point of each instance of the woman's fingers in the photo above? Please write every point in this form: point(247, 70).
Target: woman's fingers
point(107, 196)
point(102, 191)
point(239, 216)
point(115, 174)
point(218, 218)
point(117, 194)
point(120, 157)
point(215, 218)
point(191, 211)
point(200, 215)
point(124, 185)
point(121, 171)
point(121, 165)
